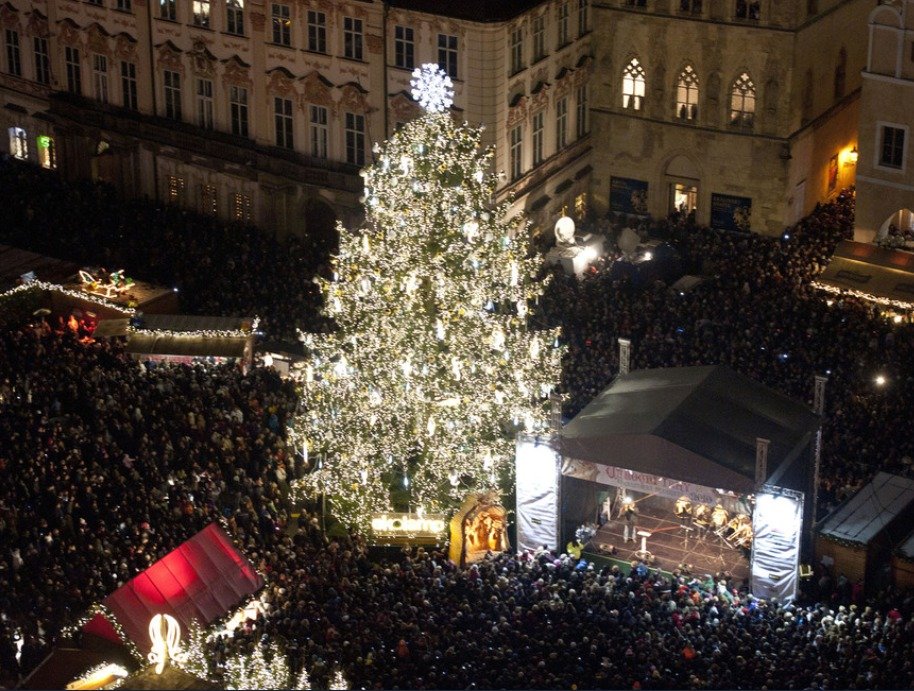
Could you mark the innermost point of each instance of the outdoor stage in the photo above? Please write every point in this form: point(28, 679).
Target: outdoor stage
point(670, 544)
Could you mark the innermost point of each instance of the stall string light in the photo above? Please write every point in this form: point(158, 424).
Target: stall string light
point(850, 292)
point(89, 297)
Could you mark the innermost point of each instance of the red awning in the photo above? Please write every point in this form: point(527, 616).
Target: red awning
point(202, 579)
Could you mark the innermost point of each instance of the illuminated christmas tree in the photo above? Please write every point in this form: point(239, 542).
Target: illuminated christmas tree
point(433, 366)
point(254, 671)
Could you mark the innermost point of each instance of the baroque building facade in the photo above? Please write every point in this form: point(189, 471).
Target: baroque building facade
point(885, 180)
point(743, 111)
point(265, 111)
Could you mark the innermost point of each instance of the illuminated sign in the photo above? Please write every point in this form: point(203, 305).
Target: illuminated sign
point(165, 634)
point(408, 524)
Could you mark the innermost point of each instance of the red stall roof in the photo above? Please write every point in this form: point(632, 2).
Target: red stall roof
point(202, 579)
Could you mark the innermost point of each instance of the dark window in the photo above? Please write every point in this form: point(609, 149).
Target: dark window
point(892, 147)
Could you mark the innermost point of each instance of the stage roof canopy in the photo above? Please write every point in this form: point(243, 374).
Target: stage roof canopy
point(203, 579)
point(694, 424)
point(870, 511)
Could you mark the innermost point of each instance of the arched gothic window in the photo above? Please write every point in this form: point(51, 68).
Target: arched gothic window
point(742, 102)
point(633, 85)
point(687, 94)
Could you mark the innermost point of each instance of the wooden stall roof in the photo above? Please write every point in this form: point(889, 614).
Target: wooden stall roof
point(865, 515)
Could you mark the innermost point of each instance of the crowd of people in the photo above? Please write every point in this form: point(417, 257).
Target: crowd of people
point(219, 268)
point(106, 465)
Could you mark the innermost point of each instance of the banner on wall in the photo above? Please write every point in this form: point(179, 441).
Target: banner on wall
point(729, 212)
point(649, 483)
point(537, 477)
point(777, 525)
point(628, 196)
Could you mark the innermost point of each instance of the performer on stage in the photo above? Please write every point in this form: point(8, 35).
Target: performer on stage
point(683, 510)
point(719, 517)
point(629, 519)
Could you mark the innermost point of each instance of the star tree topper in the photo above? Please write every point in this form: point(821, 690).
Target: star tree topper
point(432, 88)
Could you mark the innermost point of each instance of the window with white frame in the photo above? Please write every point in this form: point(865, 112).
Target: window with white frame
point(234, 17)
point(238, 110)
point(282, 24)
point(539, 126)
point(74, 70)
point(42, 60)
point(282, 117)
point(561, 123)
point(582, 112)
point(318, 130)
point(205, 110)
point(201, 9)
point(687, 94)
point(633, 85)
point(317, 31)
point(404, 47)
point(517, 50)
point(539, 37)
point(583, 17)
point(742, 102)
point(447, 54)
point(168, 9)
point(19, 143)
point(13, 56)
point(564, 12)
point(516, 152)
point(100, 77)
point(128, 85)
point(353, 38)
point(891, 146)
point(172, 85)
point(355, 139)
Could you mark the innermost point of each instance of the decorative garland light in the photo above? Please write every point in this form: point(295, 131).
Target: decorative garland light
point(79, 294)
point(850, 292)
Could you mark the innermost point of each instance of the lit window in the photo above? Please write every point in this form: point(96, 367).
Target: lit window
point(241, 207)
point(201, 13)
point(19, 143)
point(742, 102)
point(633, 85)
point(687, 95)
point(47, 153)
point(175, 189)
point(209, 200)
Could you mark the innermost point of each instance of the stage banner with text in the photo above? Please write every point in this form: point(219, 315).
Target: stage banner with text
point(537, 477)
point(729, 212)
point(777, 524)
point(628, 196)
point(648, 483)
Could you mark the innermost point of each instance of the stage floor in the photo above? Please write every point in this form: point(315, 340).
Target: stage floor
point(670, 544)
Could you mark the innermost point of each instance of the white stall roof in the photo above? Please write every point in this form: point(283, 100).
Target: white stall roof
point(869, 511)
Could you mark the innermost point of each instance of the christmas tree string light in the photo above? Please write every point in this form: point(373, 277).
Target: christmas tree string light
point(432, 366)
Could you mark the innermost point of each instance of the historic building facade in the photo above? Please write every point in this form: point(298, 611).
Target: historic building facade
point(885, 179)
point(743, 111)
point(265, 110)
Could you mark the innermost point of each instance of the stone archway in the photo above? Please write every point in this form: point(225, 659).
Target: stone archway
point(320, 227)
point(903, 220)
point(682, 179)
